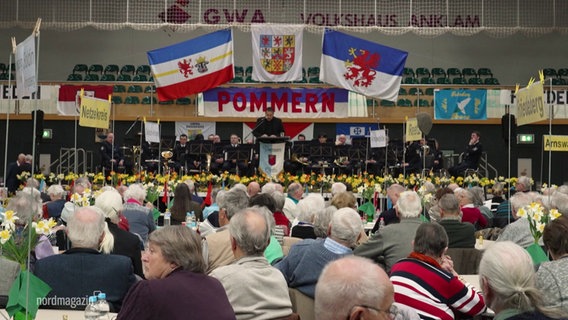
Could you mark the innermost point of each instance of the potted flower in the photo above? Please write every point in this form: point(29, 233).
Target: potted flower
point(538, 217)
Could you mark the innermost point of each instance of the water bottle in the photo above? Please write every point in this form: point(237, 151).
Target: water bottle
point(91, 311)
point(190, 220)
point(167, 218)
point(102, 307)
point(381, 223)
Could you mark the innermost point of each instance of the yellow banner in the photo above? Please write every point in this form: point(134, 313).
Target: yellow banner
point(413, 133)
point(530, 104)
point(95, 113)
point(555, 143)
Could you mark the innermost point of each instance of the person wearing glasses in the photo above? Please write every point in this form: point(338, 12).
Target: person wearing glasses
point(356, 288)
point(427, 282)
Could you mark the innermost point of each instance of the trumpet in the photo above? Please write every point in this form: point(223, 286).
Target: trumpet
point(208, 160)
point(294, 158)
point(341, 160)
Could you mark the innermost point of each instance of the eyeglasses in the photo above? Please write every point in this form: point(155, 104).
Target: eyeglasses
point(392, 312)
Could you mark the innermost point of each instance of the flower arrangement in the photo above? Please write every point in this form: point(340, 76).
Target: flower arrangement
point(16, 240)
point(82, 200)
point(538, 217)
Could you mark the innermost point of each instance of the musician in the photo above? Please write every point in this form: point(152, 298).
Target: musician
point(218, 157)
point(111, 156)
point(413, 158)
point(341, 140)
point(317, 161)
point(196, 162)
point(229, 164)
point(269, 125)
point(342, 155)
point(376, 162)
point(181, 152)
point(438, 157)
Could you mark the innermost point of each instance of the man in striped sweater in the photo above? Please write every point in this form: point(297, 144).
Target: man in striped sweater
point(427, 282)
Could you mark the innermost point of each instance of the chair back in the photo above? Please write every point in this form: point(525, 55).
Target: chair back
point(466, 260)
point(287, 243)
point(302, 304)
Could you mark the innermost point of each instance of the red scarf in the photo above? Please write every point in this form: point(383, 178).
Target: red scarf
point(425, 258)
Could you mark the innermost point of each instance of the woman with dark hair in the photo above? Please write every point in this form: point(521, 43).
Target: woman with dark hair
point(177, 286)
point(552, 277)
point(183, 204)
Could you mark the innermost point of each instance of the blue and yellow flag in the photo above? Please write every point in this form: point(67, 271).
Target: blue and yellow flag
point(460, 104)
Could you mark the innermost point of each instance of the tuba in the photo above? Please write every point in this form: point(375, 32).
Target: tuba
point(135, 158)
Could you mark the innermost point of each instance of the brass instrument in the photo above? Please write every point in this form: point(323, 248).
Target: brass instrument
point(167, 155)
point(135, 158)
point(341, 160)
point(294, 158)
point(208, 161)
point(426, 149)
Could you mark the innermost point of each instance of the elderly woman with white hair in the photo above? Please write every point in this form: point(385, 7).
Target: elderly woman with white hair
point(140, 218)
point(116, 240)
point(53, 208)
point(307, 208)
point(507, 278)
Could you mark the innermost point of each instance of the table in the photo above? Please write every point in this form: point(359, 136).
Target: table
point(473, 279)
point(53, 314)
point(483, 244)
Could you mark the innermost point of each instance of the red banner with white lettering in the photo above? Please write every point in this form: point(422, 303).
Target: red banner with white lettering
point(288, 103)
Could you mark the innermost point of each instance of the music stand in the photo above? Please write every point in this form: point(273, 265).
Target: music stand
point(301, 148)
point(359, 141)
point(342, 151)
point(322, 151)
point(357, 153)
point(242, 153)
point(199, 148)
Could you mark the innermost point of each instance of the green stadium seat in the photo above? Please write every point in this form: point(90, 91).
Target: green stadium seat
point(421, 103)
point(3, 67)
point(559, 82)
point(92, 77)
point(459, 81)
point(371, 102)
point(116, 99)
point(248, 71)
point(549, 73)
point(314, 80)
point(167, 102)
point(484, 72)
point(250, 80)
point(111, 68)
point(410, 80)
point(404, 103)
point(415, 91)
point(402, 91)
point(183, 101)
point(491, 81)
point(124, 77)
point(74, 77)
point(562, 72)
point(475, 81)
point(453, 73)
point(143, 69)
point(132, 100)
point(149, 100)
point(239, 71)
point(304, 80)
point(127, 69)
point(83, 68)
point(443, 81)
point(134, 89)
point(438, 73)
point(422, 72)
point(237, 80)
point(408, 72)
point(469, 73)
point(108, 77)
point(140, 78)
point(4, 76)
point(429, 92)
point(313, 72)
point(150, 89)
point(427, 80)
point(118, 88)
point(387, 103)
point(96, 68)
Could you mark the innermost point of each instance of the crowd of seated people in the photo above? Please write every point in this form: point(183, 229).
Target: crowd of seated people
point(244, 245)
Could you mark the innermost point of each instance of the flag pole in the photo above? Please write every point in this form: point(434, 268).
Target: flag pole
point(10, 99)
point(34, 138)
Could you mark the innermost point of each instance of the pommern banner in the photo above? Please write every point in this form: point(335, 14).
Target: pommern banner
point(286, 102)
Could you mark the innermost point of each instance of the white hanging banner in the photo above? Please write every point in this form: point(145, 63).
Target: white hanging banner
point(378, 138)
point(152, 131)
point(26, 78)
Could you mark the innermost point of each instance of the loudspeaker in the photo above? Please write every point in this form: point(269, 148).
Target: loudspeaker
point(38, 115)
point(505, 127)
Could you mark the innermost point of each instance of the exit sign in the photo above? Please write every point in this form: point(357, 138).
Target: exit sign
point(525, 138)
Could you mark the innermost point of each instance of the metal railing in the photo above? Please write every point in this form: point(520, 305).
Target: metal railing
point(73, 160)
